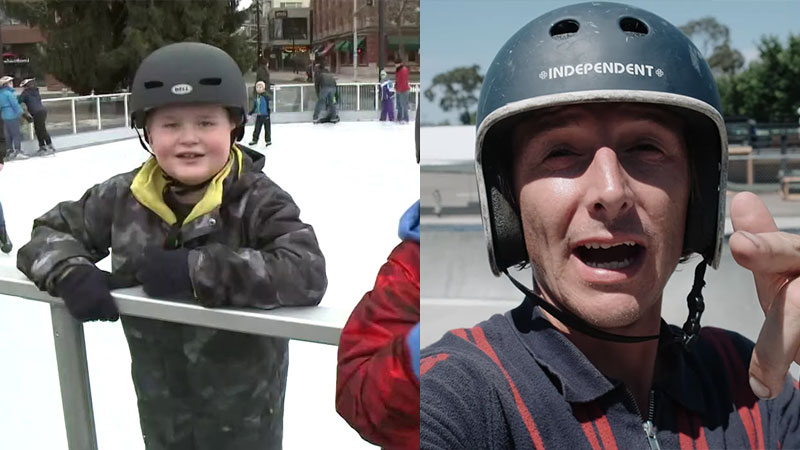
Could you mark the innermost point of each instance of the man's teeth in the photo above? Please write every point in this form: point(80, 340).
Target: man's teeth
point(611, 265)
point(607, 246)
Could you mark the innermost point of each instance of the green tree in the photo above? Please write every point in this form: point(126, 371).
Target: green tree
point(768, 90)
point(457, 89)
point(97, 46)
point(402, 13)
point(713, 40)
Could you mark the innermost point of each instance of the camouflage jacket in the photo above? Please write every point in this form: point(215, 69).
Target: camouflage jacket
point(248, 247)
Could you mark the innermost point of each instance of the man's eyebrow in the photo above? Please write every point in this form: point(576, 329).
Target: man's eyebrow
point(543, 123)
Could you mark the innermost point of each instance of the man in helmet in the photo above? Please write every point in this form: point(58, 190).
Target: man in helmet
point(200, 221)
point(603, 170)
point(377, 380)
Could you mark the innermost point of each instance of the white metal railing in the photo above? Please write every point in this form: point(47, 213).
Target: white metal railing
point(285, 98)
point(318, 324)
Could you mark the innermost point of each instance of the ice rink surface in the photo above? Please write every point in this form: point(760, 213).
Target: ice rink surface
point(352, 182)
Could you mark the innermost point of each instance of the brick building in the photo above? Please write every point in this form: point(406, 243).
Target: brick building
point(332, 36)
point(19, 42)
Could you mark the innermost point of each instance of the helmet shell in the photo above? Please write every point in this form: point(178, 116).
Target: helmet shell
point(593, 53)
point(187, 73)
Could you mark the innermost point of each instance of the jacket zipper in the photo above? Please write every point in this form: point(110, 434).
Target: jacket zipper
point(648, 425)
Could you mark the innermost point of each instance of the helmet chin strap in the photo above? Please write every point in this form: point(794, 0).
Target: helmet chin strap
point(144, 143)
point(690, 329)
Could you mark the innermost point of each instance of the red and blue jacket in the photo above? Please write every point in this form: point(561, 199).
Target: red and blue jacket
point(377, 380)
point(515, 382)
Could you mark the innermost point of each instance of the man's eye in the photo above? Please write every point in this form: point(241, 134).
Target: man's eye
point(646, 148)
point(560, 153)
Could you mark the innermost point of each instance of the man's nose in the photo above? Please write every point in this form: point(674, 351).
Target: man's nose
point(608, 193)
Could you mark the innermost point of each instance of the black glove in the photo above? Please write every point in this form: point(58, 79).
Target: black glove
point(85, 291)
point(165, 273)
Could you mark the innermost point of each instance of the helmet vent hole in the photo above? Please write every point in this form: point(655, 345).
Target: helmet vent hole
point(153, 84)
point(633, 26)
point(211, 81)
point(564, 29)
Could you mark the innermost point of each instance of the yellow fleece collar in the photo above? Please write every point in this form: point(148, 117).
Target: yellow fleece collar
point(148, 188)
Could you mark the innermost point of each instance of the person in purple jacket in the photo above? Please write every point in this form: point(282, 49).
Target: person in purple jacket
point(601, 158)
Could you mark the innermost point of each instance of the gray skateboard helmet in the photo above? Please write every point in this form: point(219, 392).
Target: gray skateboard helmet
point(184, 73)
point(594, 53)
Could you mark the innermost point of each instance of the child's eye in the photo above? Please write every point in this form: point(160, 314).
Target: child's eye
point(207, 123)
point(170, 125)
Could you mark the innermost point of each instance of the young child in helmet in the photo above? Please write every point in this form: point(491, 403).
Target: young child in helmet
point(261, 109)
point(377, 381)
point(387, 97)
point(199, 220)
point(600, 158)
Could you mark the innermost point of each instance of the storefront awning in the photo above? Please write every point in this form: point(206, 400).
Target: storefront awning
point(327, 48)
point(347, 46)
point(340, 46)
point(409, 42)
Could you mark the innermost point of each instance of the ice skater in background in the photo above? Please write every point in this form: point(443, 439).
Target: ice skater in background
point(37, 113)
point(387, 97)
point(377, 381)
point(5, 241)
point(261, 110)
point(11, 113)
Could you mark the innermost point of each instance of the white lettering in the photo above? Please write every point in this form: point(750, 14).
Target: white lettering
point(603, 67)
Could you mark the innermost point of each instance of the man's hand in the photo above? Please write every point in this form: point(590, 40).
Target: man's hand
point(774, 259)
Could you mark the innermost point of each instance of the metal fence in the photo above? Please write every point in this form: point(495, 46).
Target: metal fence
point(70, 115)
point(318, 324)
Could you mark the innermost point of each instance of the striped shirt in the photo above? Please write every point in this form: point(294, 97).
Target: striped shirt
point(514, 381)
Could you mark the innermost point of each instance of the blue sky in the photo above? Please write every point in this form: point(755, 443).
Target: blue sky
point(465, 32)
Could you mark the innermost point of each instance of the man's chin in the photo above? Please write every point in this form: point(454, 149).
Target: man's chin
point(609, 310)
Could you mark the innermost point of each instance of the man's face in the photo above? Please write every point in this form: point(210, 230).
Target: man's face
point(603, 192)
point(191, 142)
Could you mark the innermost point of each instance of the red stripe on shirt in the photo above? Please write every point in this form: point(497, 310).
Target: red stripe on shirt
point(460, 332)
point(740, 398)
point(586, 424)
point(684, 430)
point(486, 347)
point(427, 363)
point(748, 396)
point(700, 442)
point(604, 429)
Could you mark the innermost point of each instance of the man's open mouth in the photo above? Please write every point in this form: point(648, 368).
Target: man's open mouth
point(611, 256)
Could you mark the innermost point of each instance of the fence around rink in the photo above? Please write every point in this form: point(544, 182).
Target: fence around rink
point(318, 324)
point(70, 115)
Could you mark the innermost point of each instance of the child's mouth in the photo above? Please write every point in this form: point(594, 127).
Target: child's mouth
point(189, 156)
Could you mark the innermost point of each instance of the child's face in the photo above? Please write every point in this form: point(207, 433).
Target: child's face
point(259, 87)
point(191, 142)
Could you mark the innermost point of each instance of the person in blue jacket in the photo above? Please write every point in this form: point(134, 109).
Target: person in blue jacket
point(11, 113)
point(261, 109)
